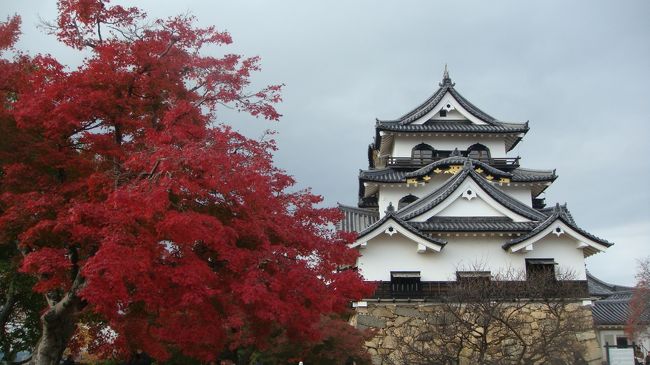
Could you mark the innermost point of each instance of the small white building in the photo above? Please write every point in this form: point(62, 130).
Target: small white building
point(442, 199)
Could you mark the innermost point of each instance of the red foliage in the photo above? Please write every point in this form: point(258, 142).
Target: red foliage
point(9, 32)
point(638, 320)
point(184, 233)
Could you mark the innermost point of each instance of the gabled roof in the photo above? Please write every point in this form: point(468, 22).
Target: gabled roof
point(612, 311)
point(428, 202)
point(491, 126)
point(392, 217)
point(399, 175)
point(559, 213)
point(447, 86)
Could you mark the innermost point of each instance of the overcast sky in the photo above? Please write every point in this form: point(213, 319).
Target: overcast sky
point(578, 70)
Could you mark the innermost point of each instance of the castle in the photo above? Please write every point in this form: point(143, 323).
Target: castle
point(443, 201)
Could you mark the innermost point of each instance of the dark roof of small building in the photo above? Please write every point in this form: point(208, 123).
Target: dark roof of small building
point(473, 224)
point(599, 288)
point(560, 212)
point(613, 310)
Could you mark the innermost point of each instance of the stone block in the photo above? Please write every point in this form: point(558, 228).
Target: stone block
point(382, 312)
point(409, 312)
point(365, 321)
point(389, 342)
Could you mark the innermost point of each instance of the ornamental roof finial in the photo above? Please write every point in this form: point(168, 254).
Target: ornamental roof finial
point(390, 209)
point(446, 80)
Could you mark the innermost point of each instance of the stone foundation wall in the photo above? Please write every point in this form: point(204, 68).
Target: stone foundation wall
point(397, 325)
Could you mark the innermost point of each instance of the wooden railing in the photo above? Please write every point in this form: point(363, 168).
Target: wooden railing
point(437, 290)
point(502, 162)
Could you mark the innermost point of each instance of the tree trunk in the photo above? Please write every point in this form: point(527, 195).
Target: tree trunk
point(58, 324)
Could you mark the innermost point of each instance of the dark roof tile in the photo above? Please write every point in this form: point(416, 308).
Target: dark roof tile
point(563, 214)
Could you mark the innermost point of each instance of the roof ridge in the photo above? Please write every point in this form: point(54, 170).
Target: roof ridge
point(357, 209)
point(402, 223)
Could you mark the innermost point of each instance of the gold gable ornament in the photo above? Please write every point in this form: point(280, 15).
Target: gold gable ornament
point(426, 178)
point(504, 180)
point(490, 177)
point(454, 169)
point(413, 182)
point(479, 170)
point(437, 170)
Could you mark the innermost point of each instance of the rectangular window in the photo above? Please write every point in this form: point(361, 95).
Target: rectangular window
point(543, 269)
point(466, 277)
point(621, 342)
point(405, 282)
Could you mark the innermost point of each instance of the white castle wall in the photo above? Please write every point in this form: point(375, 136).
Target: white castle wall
point(384, 254)
point(404, 144)
point(521, 193)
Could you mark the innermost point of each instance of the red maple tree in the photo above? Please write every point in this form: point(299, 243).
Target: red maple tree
point(140, 215)
point(638, 321)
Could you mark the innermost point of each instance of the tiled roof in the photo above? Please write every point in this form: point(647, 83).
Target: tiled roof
point(395, 175)
point(614, 311)
point(561, 213)
point(599, 288)
point(447, 86)
point(530, 175)
point(403, 224)
point(357, 219)
point(387, 175)
point(452, 127)
point(614, 308)
point(473, 224)
point(434, 198)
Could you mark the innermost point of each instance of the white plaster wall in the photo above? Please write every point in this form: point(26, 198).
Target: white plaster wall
point(521, 193)
point(462, 207)
point(403, 145)
point(393, 193)
point(563, 249)
point(384, 254)
point(449, 99)
point(451, 115)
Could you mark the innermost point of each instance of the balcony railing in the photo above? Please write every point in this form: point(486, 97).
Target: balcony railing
point(499, 163)
point(437, 290)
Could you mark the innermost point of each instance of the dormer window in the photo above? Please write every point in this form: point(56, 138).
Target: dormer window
point(478, 152)
point(422, 153)
point(406, 201)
